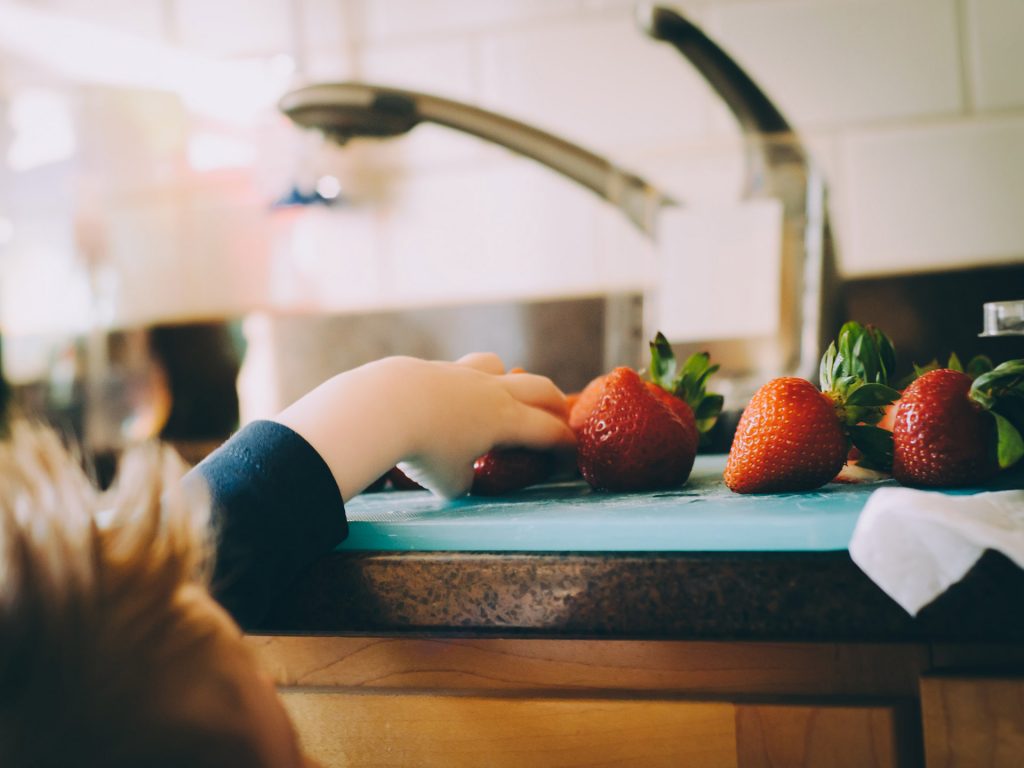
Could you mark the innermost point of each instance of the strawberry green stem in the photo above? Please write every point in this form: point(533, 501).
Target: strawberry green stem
point(1001, 393)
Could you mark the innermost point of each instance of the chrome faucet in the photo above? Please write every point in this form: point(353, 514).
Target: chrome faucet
point(343, 111)
point(776, 165)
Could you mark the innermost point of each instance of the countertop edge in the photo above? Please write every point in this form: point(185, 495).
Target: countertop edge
point(737, 596)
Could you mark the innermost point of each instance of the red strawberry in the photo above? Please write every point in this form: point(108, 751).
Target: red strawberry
point(976, 366)
point(632, 441)
point(950, 431)
point(791, 437)
point(682, 411)
point(788, 439)
point(584, 402)
point(504, 470)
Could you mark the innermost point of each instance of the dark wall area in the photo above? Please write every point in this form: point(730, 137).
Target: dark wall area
point(930, 315)
point(201, 361)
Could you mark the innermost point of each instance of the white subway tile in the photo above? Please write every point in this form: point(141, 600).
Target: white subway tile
point(847, 61)
point(129, 140)
point(325, 51)
point(326, 65)
point(934, 197)
point(627, 258)
point(234, 27)
point(137, 17)
point(203, 254)
point(508, 230)
point(43, 283)
point(600, 83)
point(411, 19)
point(326, 33)
point(227, 253)
point(325, 259)
point(692, 9)
point(447, 69)
point(996, 52)
point(145, 243)
point(706, 172)
point(325, 24)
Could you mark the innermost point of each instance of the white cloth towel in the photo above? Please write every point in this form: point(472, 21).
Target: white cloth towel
point(916, 544)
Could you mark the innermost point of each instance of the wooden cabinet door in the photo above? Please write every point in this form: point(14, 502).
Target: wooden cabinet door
point(829, 736)
point(973, 722)
point(444, 731)
point(424, 730)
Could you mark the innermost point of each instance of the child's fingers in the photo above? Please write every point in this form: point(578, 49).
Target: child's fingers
point(536, 428)
point(449, 482)
point(538, 391)
point(486, 362)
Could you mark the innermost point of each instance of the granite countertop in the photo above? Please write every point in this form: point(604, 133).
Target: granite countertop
point(697, 563)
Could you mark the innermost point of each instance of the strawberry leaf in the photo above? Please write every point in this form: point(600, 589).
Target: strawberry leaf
point(860, 355)
point(1010, 446)
point(695, 371)
point(688, 382)
point(978, 365)
point(886, 356)
point(1001, 392)
point(663, 362)
point(921, 370)
point(875, 445)
point(984, 399)
point(828, 361)
point(1004, 378)
point(710, 408)
point(872, 395)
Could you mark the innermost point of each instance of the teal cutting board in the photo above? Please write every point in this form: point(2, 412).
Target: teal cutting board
point(702, 516)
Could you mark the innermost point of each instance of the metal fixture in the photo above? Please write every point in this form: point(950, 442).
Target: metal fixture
point(777, 166)
point(343, 111)
point(1003, 318)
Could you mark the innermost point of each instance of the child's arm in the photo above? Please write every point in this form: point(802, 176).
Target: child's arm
point(278, 487)
point(435, 418)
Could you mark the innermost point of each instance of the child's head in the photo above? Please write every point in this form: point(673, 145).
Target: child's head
point(112, 652)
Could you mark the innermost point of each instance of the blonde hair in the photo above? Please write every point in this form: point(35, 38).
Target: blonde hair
point(95, 647)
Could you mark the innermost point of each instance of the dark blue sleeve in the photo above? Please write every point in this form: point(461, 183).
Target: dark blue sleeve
point(276, 509)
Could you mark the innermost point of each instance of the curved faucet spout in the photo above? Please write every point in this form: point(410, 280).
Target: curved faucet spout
point(777, 165)
point(752, 108)
point(762, 124)
point(347, 110)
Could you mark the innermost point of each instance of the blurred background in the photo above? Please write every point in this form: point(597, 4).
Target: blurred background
point(165, 230)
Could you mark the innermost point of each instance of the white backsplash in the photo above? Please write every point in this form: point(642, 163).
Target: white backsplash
point(914, 109)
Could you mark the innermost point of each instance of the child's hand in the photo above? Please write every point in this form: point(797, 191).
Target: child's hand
point(435, 418)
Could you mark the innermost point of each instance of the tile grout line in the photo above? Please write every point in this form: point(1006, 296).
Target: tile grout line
point(963, 48)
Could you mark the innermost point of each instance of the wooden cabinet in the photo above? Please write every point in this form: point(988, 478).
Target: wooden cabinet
point(538, 702)
point(449, 731)
point(452, 731)
point(973, 721)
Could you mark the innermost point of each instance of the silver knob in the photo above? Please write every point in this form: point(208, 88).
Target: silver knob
point(1003, 318)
